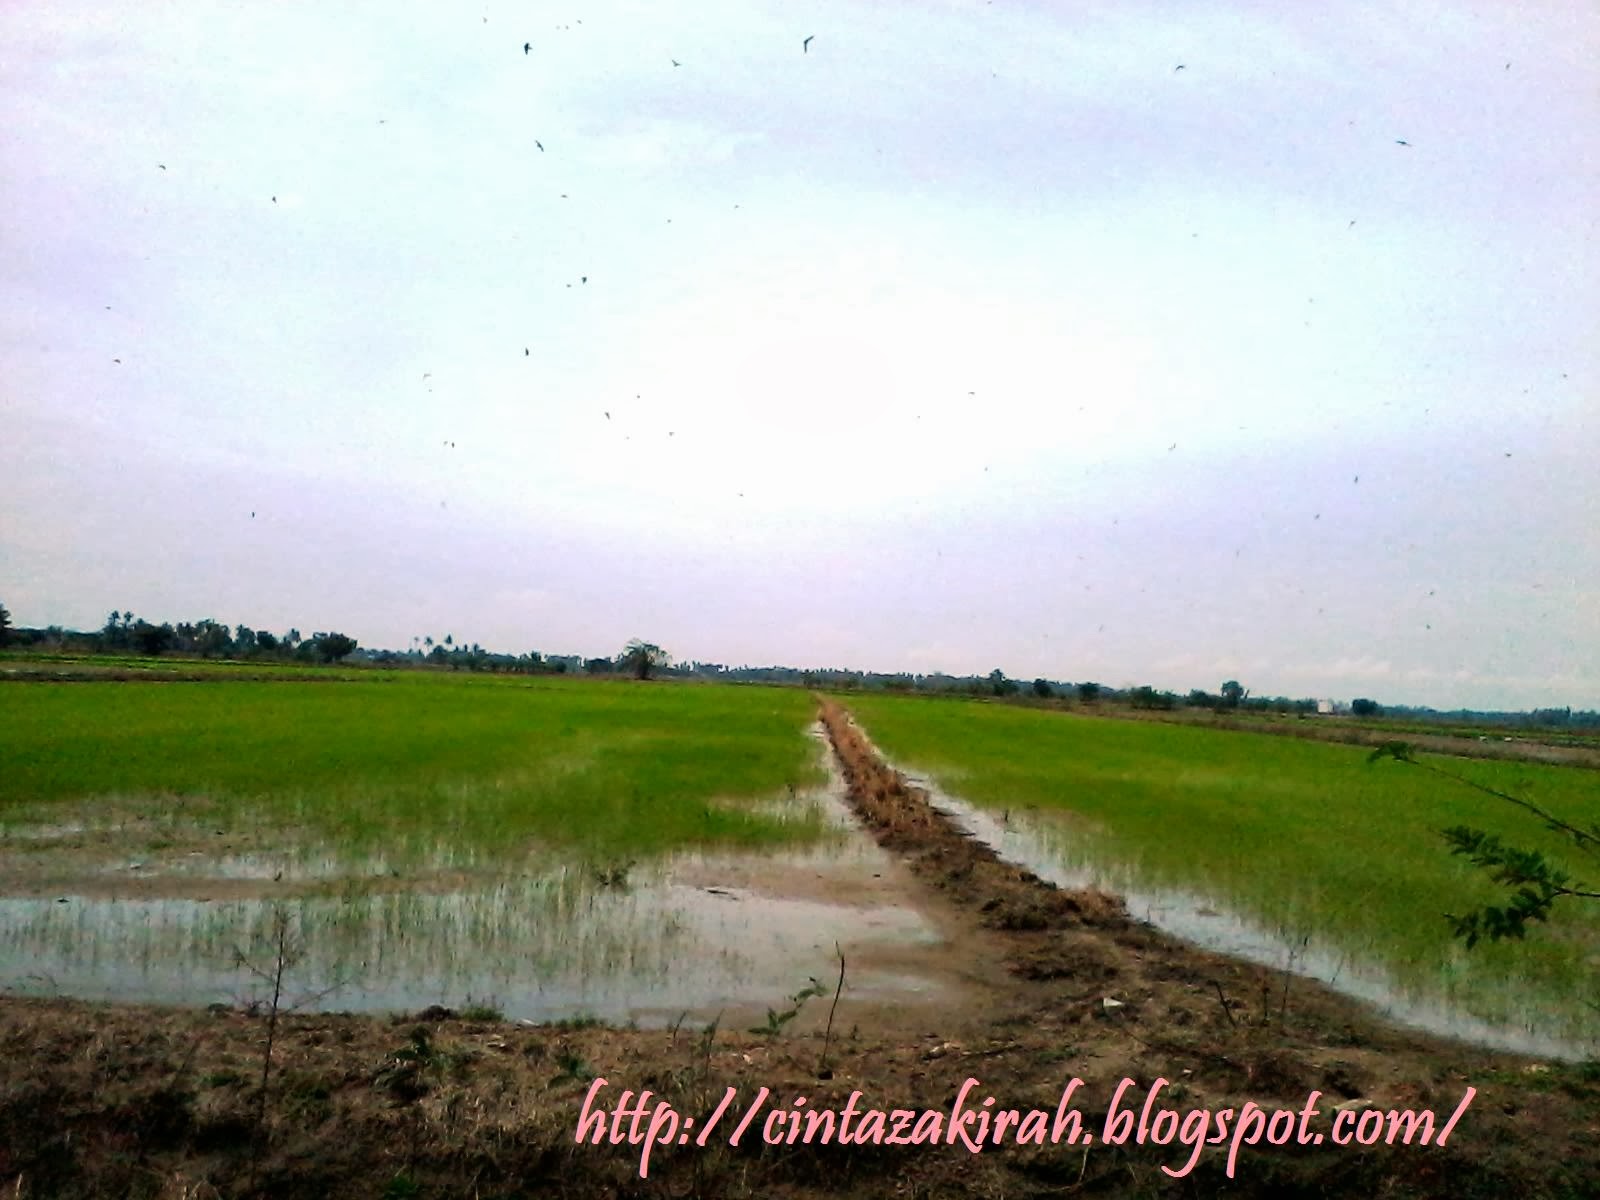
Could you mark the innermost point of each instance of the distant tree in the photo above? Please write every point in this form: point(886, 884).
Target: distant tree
point(641, 658)
point(597, 666)
point(5, 626)
point(999, 684)
point(1557, 717)
point(1364, 708)
point(1042, 689)
point(1088, 692)
point(153, 639)
point(210, 638)
point(265, 641)
point(1233, 694)
point(244, 639)
point(334, 646)
point(1200, 698)
point(1147, 697)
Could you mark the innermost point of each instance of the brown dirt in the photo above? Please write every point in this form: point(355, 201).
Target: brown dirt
point(109, 1100)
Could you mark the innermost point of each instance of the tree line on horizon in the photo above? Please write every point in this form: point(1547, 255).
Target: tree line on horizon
point(124, 633)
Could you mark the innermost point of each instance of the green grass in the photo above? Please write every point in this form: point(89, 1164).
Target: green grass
point(1305, 837)
point(405, 761)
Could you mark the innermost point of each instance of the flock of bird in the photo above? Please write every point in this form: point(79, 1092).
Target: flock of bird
point(805, 47)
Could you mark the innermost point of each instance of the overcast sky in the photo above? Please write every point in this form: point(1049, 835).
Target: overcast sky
point(1144, 343)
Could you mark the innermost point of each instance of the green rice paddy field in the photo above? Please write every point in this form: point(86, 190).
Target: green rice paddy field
point(1308, 839)
point(385, 761)
point(1305, 839)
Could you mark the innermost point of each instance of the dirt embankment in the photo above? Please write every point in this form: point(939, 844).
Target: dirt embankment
point(122, 1101)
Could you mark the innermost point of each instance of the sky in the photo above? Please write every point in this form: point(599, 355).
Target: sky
point(1142, 343)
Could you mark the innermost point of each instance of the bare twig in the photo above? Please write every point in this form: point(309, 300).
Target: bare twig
point(1223, 1000)
point(284, 956)
point(827, 1036)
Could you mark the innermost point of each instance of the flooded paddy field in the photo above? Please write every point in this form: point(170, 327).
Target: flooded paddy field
point(961, 967)
point(560, 851)
point(1290, 853)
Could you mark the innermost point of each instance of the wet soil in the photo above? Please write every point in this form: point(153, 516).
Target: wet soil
point(1057, 983)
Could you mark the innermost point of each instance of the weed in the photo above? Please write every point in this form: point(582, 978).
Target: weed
point(614, 875)
point(573, 1068)
point(575, 1023)
point(776, 1021)
point(411, 1072)
point(481, 1012)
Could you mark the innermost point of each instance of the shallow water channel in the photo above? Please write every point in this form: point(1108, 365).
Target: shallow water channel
point(698, 933)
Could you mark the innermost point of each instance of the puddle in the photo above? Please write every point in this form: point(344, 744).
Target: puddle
point(695, 932)
point(1049, 846)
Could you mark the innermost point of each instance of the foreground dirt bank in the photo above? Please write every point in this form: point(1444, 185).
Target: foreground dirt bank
point(107, 1100)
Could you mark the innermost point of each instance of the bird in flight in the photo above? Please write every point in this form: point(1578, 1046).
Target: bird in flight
point(608, 416)
point(524, 352)
point(526, 46)
point(1398, 142)
point(274, 199)
point(540, 145)
point(805, 46)
point(1179, 67)
point(676, 63)
point(163, 166)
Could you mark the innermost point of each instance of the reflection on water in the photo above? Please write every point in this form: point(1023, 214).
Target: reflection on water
point(1048, 845)
point(696, 932)
point(548, 946)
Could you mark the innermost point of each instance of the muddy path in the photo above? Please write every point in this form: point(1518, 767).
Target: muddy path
point(100, 1100)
